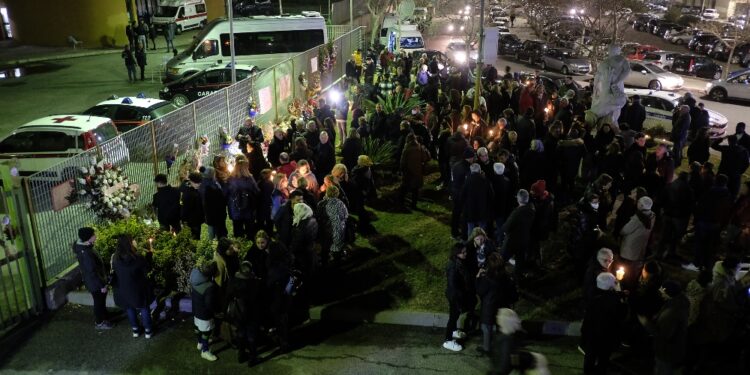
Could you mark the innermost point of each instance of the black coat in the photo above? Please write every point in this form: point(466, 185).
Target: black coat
point(495, 293)
point(670, 330)
point(459, 174)
point(283, 223)
point(265, 201)
point(192, 207)
point(302, 245)
point(502, 200)
point(131, 286)
point(584, 235)
point(350, 151)
point(93, 270)
point(275, 148)
point(140, 57)
point(245, 289)
point(459, 286)
point(214, 202)
point(325, 159)
point(677, 199)
point(699, 150)
point(544, 217)
point(166, 202)
point(602, 323)
point(589, 279)
point(476, 198)
point(517, 229)
point(533, 167)
point(734, 159)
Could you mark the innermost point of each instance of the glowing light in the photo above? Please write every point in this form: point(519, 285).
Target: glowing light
point(620, 274)
point(334, 96)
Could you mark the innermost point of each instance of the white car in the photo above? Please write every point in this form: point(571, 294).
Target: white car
point(653, 77)
point(711, 14)
point(502, 30)
point(501, 21)
point(681, 38)
point(458, 52)
point(661, 104)
point(736, 86)
point(43, 143)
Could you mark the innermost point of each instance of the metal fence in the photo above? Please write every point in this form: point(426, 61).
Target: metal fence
point(142, 152)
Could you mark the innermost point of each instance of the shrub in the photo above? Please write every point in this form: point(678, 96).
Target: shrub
point(381, 152)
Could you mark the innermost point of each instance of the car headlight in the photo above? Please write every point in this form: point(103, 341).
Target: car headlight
point(174, 71)
point(165, 89)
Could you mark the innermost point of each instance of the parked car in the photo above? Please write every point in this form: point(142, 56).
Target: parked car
point(736, 86)
point(662, 59)
point(43, 143)
point(635, 51)
point(665, 29)
point(508, 44)
point(699, 66)
point(650, 76)
point(661, 104)
point(501, 21)
point(653, 24)
point(684, 37)
point(552, 82)
point(710, 14)
point(640, 21)
point(458, 52)
point(531, 51)
point(203, 83)
point(689, 19)
point(564, 60)
point(721, 49)
point(131, 112)
point(502, 30)
point(699, 42)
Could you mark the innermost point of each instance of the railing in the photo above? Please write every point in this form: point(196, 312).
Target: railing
point(142, 152)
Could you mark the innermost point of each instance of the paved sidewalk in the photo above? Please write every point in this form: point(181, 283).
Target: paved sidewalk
point(14, 56)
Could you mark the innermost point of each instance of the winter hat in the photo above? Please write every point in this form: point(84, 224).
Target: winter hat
point(475, 168)
point(538, 188)
point(605, 281)
point(508, 321)
point(468, 153)
point(645, 204)
point(85, 233)
point(499, 168)
point(672, 288)
point(522, 196)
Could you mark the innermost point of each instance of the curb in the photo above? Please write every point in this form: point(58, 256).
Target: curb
point(63, 56)
point(408, 318)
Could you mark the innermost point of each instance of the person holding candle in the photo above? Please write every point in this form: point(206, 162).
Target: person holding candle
point(132, 291)
point(600, 264)
point(635, 237)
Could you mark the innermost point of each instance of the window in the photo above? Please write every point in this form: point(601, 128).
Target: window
point(637, 68)
point(649, 101)
point(383, 33)
point(105, 132)
point(241, 74)
point(214, 77)
point(101, 111)
point(200, 8)
point(412, 42)
point(127, 114)
point(181, 13)
point(655, 69)
point(161, 109)
point(209, 47)
point(269, 42)
point(38, 141)
point(166, 12)
point(665, 105)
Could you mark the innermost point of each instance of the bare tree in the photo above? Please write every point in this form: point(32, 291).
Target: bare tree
point(464, 18)
point(378, 9)
point(731, 38)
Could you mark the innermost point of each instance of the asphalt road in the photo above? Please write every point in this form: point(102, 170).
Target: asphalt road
point(734, 111)
point(67, 343)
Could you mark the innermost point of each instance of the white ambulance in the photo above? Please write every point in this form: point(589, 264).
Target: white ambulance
point(185, 14)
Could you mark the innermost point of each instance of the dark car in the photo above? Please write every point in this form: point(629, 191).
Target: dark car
point(721, 49)
point(553, 82)
point(254, 8)
point(653, 23)
point(531, 51)
point(667, 28)
point(695, 65)
point(640, 21)
point(203, 83)
point(699, 42)
point(508, 44)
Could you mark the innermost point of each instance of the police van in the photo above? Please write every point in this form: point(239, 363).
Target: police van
point(260, 41)
point(185, 14)
point(203, 83)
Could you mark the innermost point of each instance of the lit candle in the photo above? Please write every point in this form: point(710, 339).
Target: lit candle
point(151, 244)
point(620, 273)
point(174, 234)
point(546, 110)
point(466, 127)
point(491, 132)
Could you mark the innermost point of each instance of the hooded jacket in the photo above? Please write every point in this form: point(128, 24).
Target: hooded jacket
point(636, 234)
point(203, 295)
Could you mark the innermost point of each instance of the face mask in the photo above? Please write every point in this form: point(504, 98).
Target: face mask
point(595, 206)
point(414, 112)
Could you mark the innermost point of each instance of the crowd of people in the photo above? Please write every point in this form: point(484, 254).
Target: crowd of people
point(520, 167)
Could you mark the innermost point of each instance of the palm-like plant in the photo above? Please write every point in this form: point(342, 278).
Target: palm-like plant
point(395, 103)
point(380, 152)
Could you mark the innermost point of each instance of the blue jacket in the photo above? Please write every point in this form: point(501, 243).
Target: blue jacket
point(237, 186)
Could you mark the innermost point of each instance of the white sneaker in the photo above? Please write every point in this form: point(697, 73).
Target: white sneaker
point(459, 335)
point(453, 346)
point(135, 334)
point(147, 335)
point(208, 356)
point(198, 346)
point(512, 261)
point(691, 267)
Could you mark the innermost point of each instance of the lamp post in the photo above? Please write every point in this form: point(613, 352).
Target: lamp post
point(478, 78)
point(230, 16)
point(351, 16)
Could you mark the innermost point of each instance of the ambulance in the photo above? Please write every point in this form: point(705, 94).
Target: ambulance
point(185, 14)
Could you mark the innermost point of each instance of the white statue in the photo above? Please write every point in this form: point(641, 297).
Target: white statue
point(609, 88)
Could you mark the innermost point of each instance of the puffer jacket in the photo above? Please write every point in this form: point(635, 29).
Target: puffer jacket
point(92, 267)
point(203, 295)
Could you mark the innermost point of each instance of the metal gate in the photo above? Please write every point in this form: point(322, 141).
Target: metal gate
point(20, 290)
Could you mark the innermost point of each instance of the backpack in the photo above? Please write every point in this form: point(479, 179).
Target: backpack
point(241, 200)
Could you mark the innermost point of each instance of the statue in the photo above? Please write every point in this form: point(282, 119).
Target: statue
point(609, 88)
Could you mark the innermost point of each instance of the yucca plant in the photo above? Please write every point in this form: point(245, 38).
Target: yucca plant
point(381, 152)
point(395, 104)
